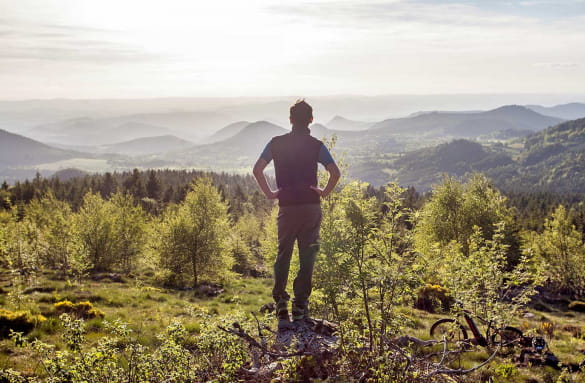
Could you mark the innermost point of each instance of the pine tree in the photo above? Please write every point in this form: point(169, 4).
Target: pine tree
point(153, 186)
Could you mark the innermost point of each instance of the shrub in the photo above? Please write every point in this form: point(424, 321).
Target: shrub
point(18, 321)
point(430, 297)
point(83, 310)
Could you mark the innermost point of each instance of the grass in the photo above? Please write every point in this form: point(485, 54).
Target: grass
point(149, 310)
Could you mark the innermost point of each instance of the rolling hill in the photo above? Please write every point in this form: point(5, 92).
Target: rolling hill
point(240, 150)
point(424, 167)
point(148, 145)
point(571, 111)
point(341, 123)
point(18, 151)
point(91, 131)
point(469, 124)
point(551, 160)
point(227, 132)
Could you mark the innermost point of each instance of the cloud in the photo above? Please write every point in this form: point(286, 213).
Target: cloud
point(556, 65)
point(66, 43)
point(372, 13)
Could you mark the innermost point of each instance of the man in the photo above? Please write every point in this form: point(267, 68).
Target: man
point(296, 155)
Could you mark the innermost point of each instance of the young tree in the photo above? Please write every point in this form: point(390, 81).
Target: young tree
point(245, 242)
point(455, 208)
point(560, 251)
point(192, 239)
point(94, 228)
point(128, 229)
point(112, 233)
point(53, 218)
point(482, 279)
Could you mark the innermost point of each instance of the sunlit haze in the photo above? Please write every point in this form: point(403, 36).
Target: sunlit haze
point(138, 48)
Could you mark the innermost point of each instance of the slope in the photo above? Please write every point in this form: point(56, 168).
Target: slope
point(473, 124)
point(240, 150)
point(227, 132)
point(571, 111)
point(17, 150)
point(148, 145)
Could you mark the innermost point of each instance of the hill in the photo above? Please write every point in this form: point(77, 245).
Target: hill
point(227, 131)
point(571, 111)
point(240, 150)
point(552, 160)
point(425, 167)
point(17, 150)
point(148, 145)
point(466, 125)
point(91, 131)
point(341, 123)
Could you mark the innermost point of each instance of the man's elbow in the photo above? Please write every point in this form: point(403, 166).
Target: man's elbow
point(334, 171)
point(258, 169)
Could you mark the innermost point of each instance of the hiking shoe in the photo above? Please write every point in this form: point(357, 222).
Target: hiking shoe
point(282, 310)
point(299, 313)
point(285, 325)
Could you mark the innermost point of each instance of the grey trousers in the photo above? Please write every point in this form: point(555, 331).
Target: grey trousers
point(299, 223)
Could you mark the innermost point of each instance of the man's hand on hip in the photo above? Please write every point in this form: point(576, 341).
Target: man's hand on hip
point(273, 194)
point(319, 191)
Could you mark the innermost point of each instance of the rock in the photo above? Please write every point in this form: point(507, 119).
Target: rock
point(210, 289)
point(268, 308)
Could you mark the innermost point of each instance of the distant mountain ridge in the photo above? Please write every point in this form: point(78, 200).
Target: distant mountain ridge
point(571, 111)
point(227, 131)
point(90, 131)
point(341, 123)
point(239, 150)
point(17, 150)
point(467, 124)
point(148, 145)
point(552, 160)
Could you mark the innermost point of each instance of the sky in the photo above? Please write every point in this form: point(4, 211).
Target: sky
point(145, 48)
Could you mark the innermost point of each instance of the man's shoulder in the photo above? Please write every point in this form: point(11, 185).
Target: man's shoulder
point(289, 136)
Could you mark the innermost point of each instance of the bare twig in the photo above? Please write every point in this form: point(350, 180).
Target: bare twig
point(253, 342)
point(461, 371)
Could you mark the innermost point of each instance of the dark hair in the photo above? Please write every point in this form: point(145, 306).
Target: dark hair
point(301, 113)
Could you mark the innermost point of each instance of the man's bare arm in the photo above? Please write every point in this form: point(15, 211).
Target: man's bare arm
point(334, 175)
point(261, 179)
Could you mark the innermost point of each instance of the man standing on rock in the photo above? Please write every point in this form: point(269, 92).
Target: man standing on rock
point(296, 155)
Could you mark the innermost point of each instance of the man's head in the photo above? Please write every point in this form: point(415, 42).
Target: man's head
point(301, 113)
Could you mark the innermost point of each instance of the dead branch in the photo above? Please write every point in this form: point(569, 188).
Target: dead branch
point(461, 371)
point(238, 331)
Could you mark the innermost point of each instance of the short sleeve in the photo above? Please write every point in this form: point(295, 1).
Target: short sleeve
point(267, 153)
point(325, 157)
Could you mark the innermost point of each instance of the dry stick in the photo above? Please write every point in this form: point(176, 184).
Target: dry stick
point(460, 371)
point(403, 353)
point(444, 350)
point(253, 342)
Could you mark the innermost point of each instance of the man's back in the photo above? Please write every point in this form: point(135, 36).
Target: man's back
point(295, 163)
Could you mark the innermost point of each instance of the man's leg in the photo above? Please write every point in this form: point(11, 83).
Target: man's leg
point(308, 248)
point(286, 240)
